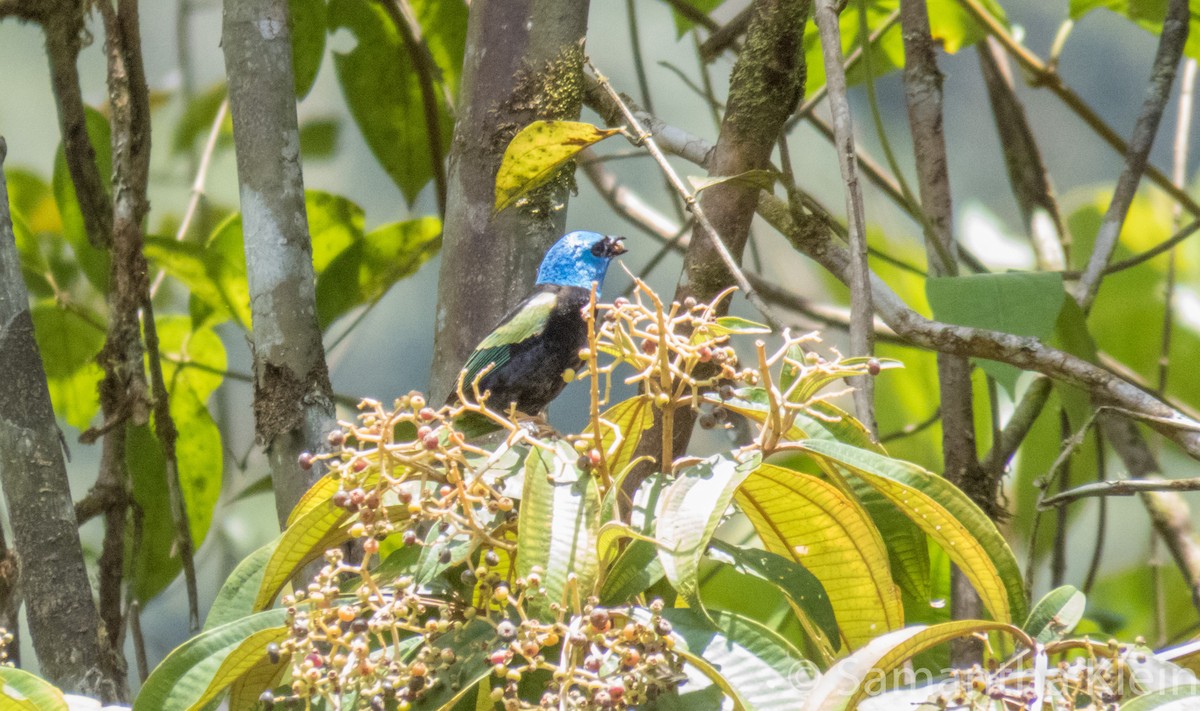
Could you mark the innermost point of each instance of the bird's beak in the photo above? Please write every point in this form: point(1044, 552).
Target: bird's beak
point(616, 248)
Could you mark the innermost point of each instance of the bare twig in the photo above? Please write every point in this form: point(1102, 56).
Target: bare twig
point(189, 214)
point(1026, 171)
point(1183, 122)
point(862, 313)
point(1170, 49)
point(63, 24)
point(1118, 487)
point(642, 137)
point(1026, 413)
point(693, 15)
point(1162, 247)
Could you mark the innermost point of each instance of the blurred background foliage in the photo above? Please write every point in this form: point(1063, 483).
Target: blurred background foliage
point(376, 233)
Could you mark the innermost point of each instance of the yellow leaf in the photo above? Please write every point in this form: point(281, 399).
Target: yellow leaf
point(248, 655)
point(814, 523)
point(948, 517)
point(537, 151)
point(305, 539)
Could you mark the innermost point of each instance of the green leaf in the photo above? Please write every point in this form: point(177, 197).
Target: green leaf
point(306, 538)
point(246, 657)
point(952, 26)
point(559, 522)
point(1147, 14)
point(319, 138)
point(69, 342)
point(381, 85)
point(364, 271)
point(683, 24)
point(635, 569)
point(193, 362)
point(308, 42)
point(1020, 303)
point(235, 599)
point(536, 153)
point(22, 691)
point(1056, 614)
point(335, 223)
point(801, 587)
point(184, 676)
point(751, 662)
point(692, 507)
point(474, 641)
point(34, 267)
point(156, 564)
point(906, 546)
point(948, 517)
point(93, 261)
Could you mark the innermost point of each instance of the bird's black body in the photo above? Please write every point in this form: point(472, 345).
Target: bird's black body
point(533, 375)
point(528, 358)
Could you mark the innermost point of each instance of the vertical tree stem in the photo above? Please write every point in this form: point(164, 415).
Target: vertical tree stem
point(63, 622)
point(862, 311)
point(923, 94)
point(523, 62)
point(293, 399)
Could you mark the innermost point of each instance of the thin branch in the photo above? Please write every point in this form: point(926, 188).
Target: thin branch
point(1119, 487)
point(1027, 173)
point(1017, 428)
point(1142, 257)
point(693, 15)
point(198, 186)
point(164, 429)
point(855, 56)
point(726, 35)
point(1162, 76)
point(64, 29)
point(1102, 523)
point(862, 312)
point(913, 428)
point(643, 137)
point(1183, 123)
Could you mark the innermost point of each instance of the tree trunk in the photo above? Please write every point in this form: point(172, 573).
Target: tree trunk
point(293, 400)
point(524, 62)
point(63, 621)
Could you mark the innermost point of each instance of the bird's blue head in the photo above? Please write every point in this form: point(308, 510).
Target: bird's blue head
point(578, 259)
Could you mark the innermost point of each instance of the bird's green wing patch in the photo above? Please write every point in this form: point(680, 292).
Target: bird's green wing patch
point(527, 321)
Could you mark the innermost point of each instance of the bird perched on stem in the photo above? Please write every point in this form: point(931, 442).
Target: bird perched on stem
point(528, 355)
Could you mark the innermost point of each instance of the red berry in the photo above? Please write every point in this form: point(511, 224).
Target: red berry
point(305, 460)
point(427, 414)
point(873, 366)
point(649, 346)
